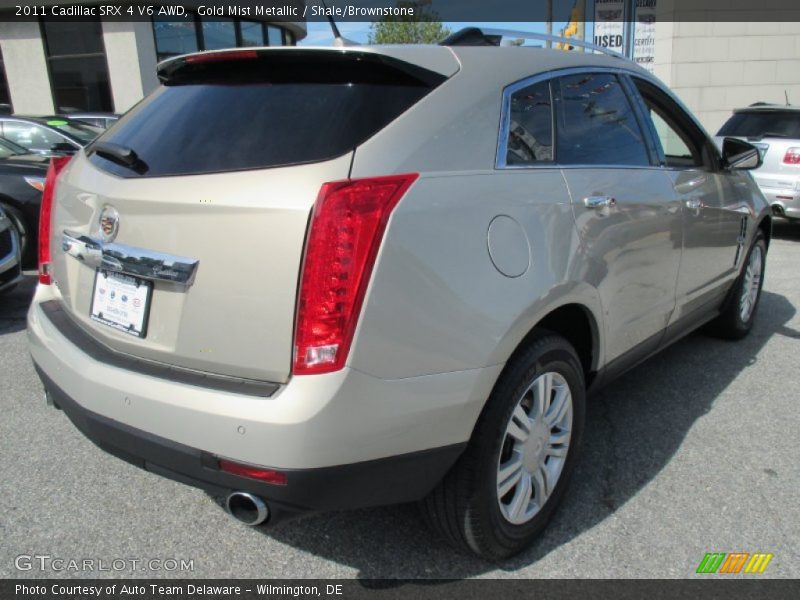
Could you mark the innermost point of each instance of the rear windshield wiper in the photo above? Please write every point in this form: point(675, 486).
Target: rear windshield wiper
point(121, 155)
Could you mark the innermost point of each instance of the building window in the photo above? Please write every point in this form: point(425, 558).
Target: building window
point(274, 35)
point(76, 60)
point(5, 96)
point(175, 37)
point(218, 34)
point(252, 33)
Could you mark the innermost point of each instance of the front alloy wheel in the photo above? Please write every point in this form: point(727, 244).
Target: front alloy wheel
point(751, 285)
point(738, 312)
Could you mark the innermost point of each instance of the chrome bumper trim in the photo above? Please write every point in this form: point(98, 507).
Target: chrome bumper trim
point(129, 260)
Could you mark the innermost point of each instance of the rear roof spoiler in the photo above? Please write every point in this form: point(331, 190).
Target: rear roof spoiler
point(290, 64)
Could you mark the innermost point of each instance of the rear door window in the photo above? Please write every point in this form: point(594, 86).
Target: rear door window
point(595, 122)
point(763, 123)
point(271, 110)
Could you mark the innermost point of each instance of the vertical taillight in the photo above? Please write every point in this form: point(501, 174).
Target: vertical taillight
point(792, 156)
point(45, 216)
point(346, 229)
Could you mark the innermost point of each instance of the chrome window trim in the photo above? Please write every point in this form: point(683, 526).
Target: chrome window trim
point(505, 115)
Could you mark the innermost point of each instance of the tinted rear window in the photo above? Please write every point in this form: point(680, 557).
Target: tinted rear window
point(784, 123)
point(276, 110)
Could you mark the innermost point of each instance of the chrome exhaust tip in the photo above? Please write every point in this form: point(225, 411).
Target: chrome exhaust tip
point(247, 508)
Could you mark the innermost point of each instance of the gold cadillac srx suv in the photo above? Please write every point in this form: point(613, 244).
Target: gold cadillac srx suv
point(317, 279)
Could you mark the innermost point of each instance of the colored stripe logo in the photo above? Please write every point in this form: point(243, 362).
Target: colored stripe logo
point(734, 562)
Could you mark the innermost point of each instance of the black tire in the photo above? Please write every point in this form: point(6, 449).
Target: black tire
point(25, 238)
point(464, 508)
point(730, 324)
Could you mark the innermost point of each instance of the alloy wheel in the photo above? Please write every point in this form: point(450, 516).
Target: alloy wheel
point(751, 285)
point(535, 447)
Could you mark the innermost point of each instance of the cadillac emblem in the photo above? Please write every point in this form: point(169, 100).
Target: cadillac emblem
point(109, 223)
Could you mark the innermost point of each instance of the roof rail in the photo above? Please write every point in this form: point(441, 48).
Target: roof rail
point(471, 36)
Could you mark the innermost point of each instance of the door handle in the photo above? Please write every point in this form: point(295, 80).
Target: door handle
point(742, 210)
point(687, 186)
point(694, 204)
point(599, 202)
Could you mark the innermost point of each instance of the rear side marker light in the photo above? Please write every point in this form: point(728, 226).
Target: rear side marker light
point(46, 215)
point(36, 183)
point(347, 226)
point(251, 472)
point(792, 156)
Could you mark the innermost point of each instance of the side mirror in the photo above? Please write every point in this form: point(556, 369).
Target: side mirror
point(738, 154)
point(63, 148)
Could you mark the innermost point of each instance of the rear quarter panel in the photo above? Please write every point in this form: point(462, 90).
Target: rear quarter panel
point(437, 303)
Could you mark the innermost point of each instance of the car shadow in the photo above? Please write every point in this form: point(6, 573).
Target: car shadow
point(786, 230)
point(14, 305)
point(654, 405)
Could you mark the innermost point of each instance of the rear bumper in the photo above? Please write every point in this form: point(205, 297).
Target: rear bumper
point(345, 439)
point(372, 483)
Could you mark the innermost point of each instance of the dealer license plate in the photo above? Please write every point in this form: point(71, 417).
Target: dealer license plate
point(122, 302)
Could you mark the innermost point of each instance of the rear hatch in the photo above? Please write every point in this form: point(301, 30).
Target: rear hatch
point(774, 131)
point(212, 178)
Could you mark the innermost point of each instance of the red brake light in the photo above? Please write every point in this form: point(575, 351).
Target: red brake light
point(222, 56)
point(45, 216)
point(792, 156)
point(346, 230)
point(265, 475)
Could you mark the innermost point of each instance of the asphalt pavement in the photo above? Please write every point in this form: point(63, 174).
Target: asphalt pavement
point(694, 451)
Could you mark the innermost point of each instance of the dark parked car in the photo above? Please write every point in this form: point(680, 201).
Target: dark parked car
point(10, 268)
point(50, 136)
point(22, 176)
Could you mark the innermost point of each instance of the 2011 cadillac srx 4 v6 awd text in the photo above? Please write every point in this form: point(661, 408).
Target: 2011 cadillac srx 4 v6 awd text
point(319, 279)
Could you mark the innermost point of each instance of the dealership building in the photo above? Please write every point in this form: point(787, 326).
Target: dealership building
point(106, 65)
point(717, 66)
point(715, 55)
